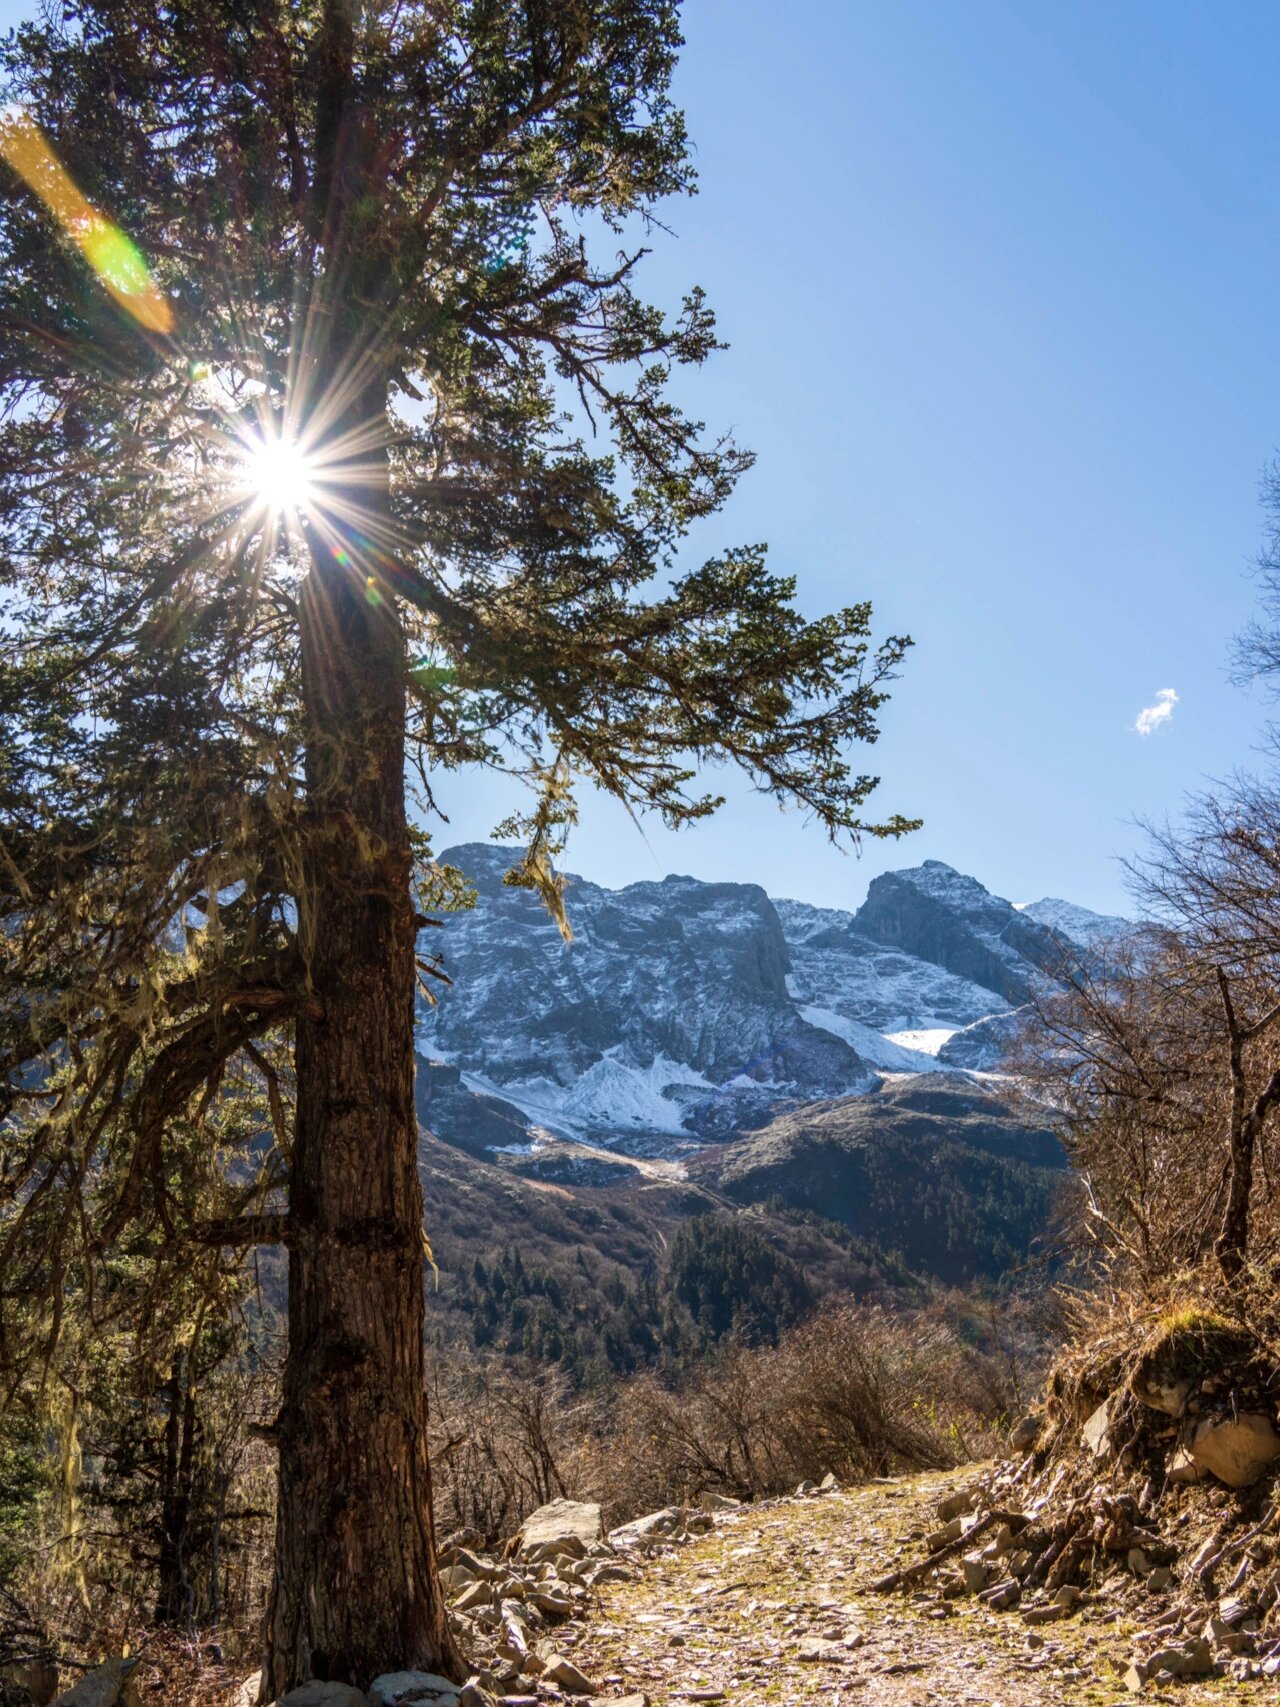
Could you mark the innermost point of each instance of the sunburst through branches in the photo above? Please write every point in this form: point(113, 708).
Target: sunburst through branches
point(280, 477)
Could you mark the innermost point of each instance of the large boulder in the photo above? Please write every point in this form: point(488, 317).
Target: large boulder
point(324, 1694)
point(1186, 1347)
point(108, 1686)
point(413, 1689)
point(1025, 1433)
point(672, 1523)
point(563, 1672)
point(1167, 1393)
point(570, 1522)
point(1190, 1659)
point(1235, 1449)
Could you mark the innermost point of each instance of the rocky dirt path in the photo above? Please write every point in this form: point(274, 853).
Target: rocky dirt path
point(775, 1606)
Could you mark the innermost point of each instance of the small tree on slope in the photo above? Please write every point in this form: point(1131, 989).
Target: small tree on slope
point(296, 506)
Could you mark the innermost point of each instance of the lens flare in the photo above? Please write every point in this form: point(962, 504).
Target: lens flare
point(279, 475)
point(113, 256)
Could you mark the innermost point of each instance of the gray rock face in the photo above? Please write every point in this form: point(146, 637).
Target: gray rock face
point(939, 915)
point(470, 1119)
point(835, 966)
point(689, 1012)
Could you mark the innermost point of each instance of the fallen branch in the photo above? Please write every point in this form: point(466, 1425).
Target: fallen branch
point(1231, 1548)
point(910, 1573)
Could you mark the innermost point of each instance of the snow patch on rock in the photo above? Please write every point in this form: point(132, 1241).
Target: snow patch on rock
point(927, 1040)
point(688, 1011)
point(896, 1054)
point(613, 1094)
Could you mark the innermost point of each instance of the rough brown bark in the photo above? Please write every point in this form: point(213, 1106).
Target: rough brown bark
point(174, 1600)
point(1244, 1133)
point(356, 1590)
point(1232, 1245)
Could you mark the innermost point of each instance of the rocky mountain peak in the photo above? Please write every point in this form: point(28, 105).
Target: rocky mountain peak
point(1086, 929)
point(940, 915)
point(673, 994)
point(688, 1010)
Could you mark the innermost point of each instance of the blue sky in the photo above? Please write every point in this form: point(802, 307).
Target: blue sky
point(1000, 284)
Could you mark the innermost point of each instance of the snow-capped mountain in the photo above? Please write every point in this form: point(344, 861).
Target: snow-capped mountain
point(1085, 929)
point(833, 961)
point(687, 1010)
point(672, 997)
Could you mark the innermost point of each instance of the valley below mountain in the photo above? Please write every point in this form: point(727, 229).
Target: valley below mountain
point(829, 1082)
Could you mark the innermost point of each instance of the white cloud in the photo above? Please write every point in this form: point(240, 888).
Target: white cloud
point(1152, 716)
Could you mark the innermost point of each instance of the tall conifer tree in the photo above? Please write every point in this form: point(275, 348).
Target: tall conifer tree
point(299, 306)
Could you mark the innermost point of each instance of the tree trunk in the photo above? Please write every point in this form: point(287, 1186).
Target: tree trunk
point(1244, 1133)
point(175, 1603)
point(1232, 1246)
point(1233, 1237)
point(356, 1590)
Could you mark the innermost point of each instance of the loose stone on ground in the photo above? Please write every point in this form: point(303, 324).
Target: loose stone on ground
point(775, 1608)
point(776, 1605)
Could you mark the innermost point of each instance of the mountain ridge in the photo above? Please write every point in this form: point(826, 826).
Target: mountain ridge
point(688, 1010)
point(704, 1050)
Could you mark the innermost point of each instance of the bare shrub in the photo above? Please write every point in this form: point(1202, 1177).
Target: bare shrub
point(505, 1440)
point(995, 1352)
point(857, 1391)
